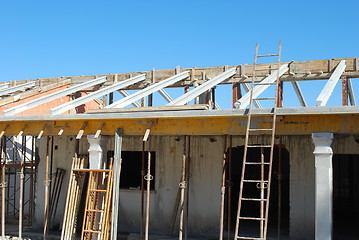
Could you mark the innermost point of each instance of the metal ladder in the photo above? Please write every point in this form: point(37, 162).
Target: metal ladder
point(257, 191)
point(97, 213)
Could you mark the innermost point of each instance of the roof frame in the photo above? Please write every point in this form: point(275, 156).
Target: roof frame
point(185, 98)
point(299, 93)
point(34, 103)
point(351, 92)
point(244, 101)
point(330, 85)
point(96, 94)
point(148, 90)
point(124, 93)
point(17, 88)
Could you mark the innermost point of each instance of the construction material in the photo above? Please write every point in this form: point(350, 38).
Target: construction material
point(72, 201)
point(329, 86)
point(56, 181)
point(47, 184)
point(38, 101)
point(21, 198)
point(3, 185)
point(117, 163)
point(223, 189)
point(101, 92)
point(98, 206)
point(182, 186)
point(249, 184)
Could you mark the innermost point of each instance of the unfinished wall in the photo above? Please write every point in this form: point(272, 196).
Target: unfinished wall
point(206, 168)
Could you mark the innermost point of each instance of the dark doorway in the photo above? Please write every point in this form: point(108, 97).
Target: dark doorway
point(345, 196)
point(279, 197)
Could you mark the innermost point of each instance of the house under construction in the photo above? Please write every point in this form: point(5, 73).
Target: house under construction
point(77, 161)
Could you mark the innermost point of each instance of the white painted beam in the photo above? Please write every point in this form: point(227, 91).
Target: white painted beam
point(101, 92)
point(148, 90)
point(4, 85)
point(299, 94)
point(31, 104)
point(244, 101)
point(17, 88)
point(165, 95)
point(330, 85)
point(185, 98)
point(126, 94)
point(351, 92)
point(247, 88)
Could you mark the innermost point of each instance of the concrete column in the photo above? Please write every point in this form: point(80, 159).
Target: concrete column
point(95, 152)
point(323, 185)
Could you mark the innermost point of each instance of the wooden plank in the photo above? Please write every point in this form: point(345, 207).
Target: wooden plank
point(116, 183)
point(151, 109)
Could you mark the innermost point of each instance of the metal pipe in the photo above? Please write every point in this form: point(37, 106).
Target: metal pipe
point(188, 175)
point(142, 189)
point(229, 193)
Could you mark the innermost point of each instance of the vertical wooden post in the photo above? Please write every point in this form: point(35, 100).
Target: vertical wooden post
point(344, 91)
point(116, 182)
point(46, 183)
point(280, 94)
point(223, 188)
point(236, 93)
point(182, 186)
point(142, 189)
point(148, 179)
point(3, 185)
point(188, 175)
point(229, 192)
point(21, 200)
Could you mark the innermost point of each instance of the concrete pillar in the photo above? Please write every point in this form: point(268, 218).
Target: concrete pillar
point(95, 152)
point(323, 185)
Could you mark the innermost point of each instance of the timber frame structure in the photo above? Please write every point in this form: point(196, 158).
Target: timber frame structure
point(88, 108)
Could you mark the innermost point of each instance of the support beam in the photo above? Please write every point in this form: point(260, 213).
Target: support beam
point(299, 94)
point(165, 95)
point(4, 85)
point(117, 160)
point(203, 88)
point(257, 90)
point(148, 90)
point(330, 85)
point(248, 88)
point(351, 92)
point(17, 88)
point(53, 96)
point(323, 185)
point(101, 92)
point(126, 94)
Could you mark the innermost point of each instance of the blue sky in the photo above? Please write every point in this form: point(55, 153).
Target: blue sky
point(41, 39)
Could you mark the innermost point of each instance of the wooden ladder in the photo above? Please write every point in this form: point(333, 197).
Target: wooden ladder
point(97, 212)
point(257, 191)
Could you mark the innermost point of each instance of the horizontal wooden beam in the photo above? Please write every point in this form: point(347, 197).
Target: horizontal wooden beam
point(298, 71)
point(234, 125)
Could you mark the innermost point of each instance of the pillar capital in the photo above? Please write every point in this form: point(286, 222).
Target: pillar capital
point(322, 143)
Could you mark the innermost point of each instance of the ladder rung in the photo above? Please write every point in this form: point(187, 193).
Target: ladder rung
point(94, 210)
point(97, 190)
point(260, 129)
point(249, 238)
point(259, 146)
point(256, 181)
point(268, 55)
point(270, 98)
point(91, 170)
point(254, 199)
point(91, 231)
point(252, 218)
point(274, 83)
point(257, 163)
